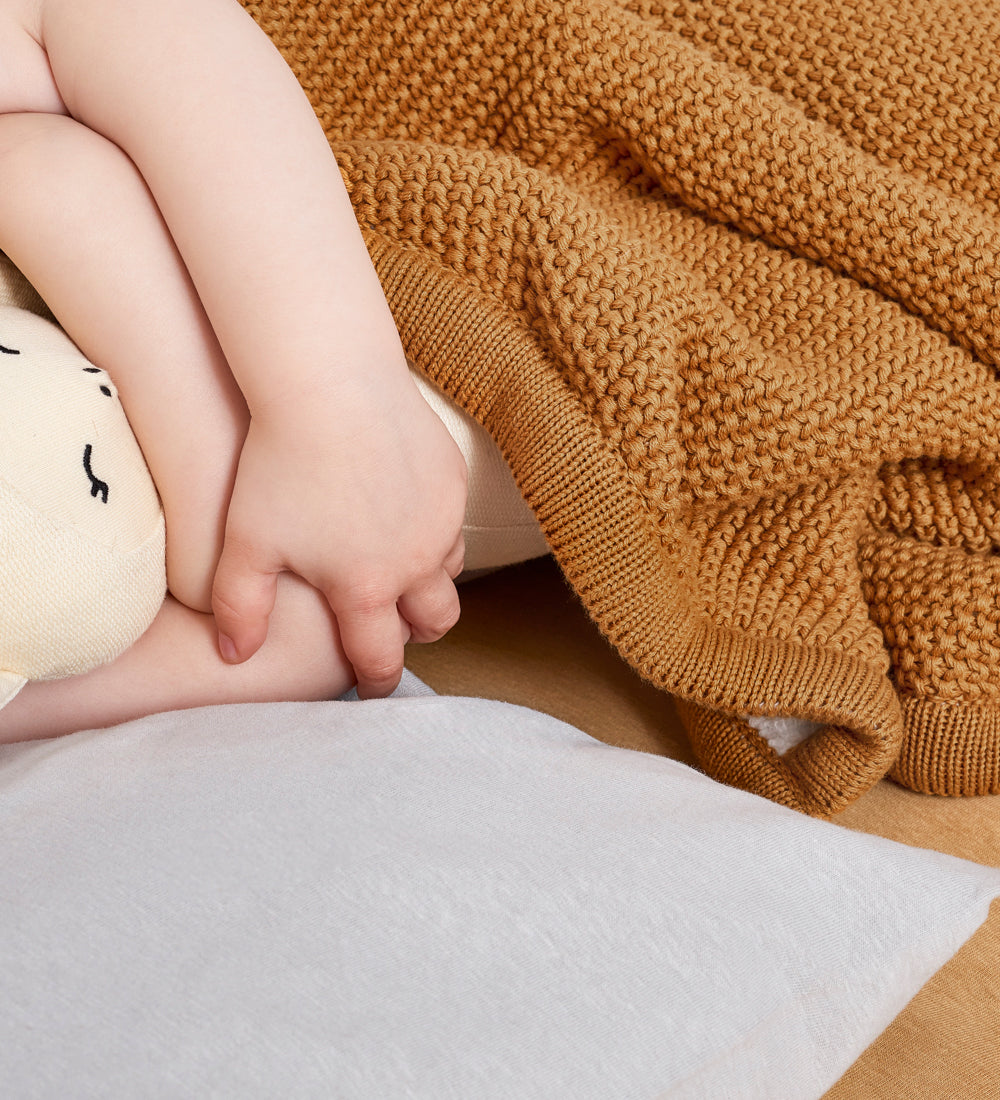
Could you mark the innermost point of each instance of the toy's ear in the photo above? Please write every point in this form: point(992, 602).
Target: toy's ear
point(15, 290)
point(10, 685)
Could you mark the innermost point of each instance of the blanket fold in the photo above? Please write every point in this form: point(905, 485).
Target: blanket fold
point(723, 281)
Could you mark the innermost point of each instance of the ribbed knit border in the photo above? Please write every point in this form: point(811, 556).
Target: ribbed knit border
point(949, 748)
point(629, 583)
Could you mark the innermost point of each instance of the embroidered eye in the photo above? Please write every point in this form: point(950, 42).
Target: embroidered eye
point(9, 351)
point(97, 370)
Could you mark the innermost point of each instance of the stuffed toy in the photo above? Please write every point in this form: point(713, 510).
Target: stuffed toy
point(82, 571)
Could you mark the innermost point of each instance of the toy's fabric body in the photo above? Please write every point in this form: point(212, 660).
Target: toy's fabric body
point(82, 535)
point(499, 527)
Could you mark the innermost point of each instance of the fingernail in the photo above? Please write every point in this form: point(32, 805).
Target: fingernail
point(227, 649)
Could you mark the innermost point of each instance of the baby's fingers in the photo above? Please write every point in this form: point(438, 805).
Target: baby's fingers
point(454, 563)
point(242, 600)
point(431, 610)
point(373, 642)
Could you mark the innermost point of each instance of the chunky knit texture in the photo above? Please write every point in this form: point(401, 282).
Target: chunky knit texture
point(723, 281)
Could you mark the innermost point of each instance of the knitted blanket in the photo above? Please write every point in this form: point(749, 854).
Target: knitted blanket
point(722, 278)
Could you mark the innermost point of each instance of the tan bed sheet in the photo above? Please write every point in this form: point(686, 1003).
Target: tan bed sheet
point(523, 638)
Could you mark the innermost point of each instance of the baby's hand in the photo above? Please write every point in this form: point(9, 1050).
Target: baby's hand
point(367, 506)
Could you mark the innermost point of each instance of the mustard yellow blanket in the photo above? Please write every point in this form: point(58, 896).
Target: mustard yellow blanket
point(723, 281)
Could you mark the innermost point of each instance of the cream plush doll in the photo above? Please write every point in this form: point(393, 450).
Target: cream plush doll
point(82, 570)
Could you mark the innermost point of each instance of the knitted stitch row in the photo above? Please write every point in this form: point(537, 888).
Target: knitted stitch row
point(723, 281)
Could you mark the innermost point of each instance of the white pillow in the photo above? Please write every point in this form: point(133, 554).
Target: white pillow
point(440, 898)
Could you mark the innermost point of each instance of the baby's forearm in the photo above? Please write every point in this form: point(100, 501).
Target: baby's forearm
point(228, 143)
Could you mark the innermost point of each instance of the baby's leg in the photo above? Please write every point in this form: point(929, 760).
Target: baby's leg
point(176, 665)
point(77, 219)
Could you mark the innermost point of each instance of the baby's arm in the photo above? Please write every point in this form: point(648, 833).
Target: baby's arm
point(346, 477)
point(78, 220)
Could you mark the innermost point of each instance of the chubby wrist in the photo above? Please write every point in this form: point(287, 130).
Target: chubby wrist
point(344, 383)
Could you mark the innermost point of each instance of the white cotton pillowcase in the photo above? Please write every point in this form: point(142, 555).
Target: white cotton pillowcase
point(441, 898)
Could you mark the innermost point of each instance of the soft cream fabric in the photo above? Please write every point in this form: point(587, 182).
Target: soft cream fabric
point(499, 528)
point(15, 290)
point(438, 898)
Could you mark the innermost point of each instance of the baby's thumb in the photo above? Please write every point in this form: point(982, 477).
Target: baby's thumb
point(242, 600)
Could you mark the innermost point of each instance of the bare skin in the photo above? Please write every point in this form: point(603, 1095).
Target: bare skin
point(176, 665)
point(233, 301)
